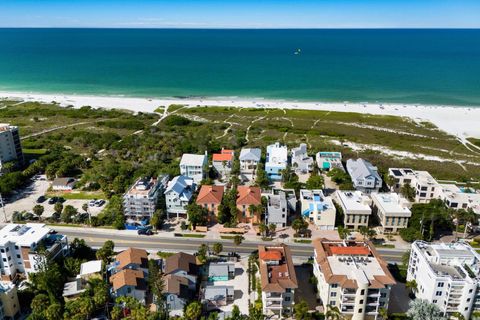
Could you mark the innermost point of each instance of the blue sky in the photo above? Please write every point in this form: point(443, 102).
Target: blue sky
point(241, 13)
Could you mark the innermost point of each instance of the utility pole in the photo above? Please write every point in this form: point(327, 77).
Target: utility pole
point(2, 204)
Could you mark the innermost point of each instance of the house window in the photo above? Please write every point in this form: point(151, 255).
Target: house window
point(441, 284)
point(360, 310)
point(287, 299)
point(332, 303)
point(333, 294)
point(438, 293)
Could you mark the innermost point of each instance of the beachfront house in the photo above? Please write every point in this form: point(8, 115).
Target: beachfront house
point(364, 175)
point(194, 166)
point(459, 197)
point(422, 182)
point(301, 162)
point(249, 200)
point(249, 160)
point(178, 194)
point(223, 162)
point(210, 197)
point(327, 160)
point(318, 209)
point(276, 161)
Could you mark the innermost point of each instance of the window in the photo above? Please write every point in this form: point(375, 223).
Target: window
point(4, 260)
point(332, 303)
point(383, 294)
point(434, 301)
point(335, 285)
point(438, 293)
point(361, 301)
point(362, 292)
point(360, 310)
point(287, 299)
point(441, 284)
point(333, 294)
point(2, 250)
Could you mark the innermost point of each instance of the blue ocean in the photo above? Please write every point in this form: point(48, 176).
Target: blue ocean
point(425, 66)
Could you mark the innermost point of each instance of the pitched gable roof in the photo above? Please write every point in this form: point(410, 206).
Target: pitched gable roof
point(250, 154)
point(210, 194)
point(248, 195)
point(177, 285)
point(181, 261)
point(279, 276)
point(128, 277)
point(224, 155)
point(132, 255)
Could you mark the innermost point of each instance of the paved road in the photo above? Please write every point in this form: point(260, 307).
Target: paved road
point(158, 243)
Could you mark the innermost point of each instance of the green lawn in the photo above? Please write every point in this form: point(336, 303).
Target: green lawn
point(303, 241)
point(189, 235)
point(77, 195)
point(34, 151)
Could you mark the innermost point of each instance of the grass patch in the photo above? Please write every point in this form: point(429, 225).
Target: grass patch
point(302, 241)
point(227, 237)
point(160, 109)
point(34, 151)
point(189, 235)
point(164, 255)
point(82, 195)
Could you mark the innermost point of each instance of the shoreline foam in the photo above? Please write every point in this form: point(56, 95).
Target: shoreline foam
point(459, 121)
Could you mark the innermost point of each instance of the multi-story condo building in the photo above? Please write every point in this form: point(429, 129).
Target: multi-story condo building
point(223, 162)
point(327, 160)
point(276, 161)
point(352, 277)
point(459, 198)
point(249, 160)
point(140, 201)
point(364, 175)
point(10, 147)
point(194, 166)
point(277, 209)
point(19, 244)
point(355, 206)
point(301, 162)
point(447, 274)
point(318, 209)
point(392, 211)
point(210, 197)
point(278, 280)
point(178, 194)
point(9, 304)
point(424, 184)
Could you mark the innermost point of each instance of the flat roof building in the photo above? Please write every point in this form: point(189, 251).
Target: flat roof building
point(352, 277)
point(10, 147)
point(318, 209)
point(392, 211)
point(355, 206)
point(448, 275)
point(140, 201)
point(422, 182)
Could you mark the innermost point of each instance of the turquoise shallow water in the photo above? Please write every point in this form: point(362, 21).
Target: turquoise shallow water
point(406, 66)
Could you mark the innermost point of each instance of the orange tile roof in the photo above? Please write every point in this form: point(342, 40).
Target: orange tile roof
point(271, 255)
point(210, 194)
point(356, 250)
point(277, 277)
point(128, 277)
point(222, 157)
point(132, 255)
point(248, 195)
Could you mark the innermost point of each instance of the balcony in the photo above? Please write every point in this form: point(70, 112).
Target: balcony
point(348, 300)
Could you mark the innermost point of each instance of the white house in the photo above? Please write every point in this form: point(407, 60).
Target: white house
point(63, 184)
point(355, 206)
point(223, 162)
point(10, 147)
point(140, 201)
point(301, 162)
point(425, 186)
point(459, 198)
point(318, 209)
point(447, 274)
point(249, 160)
point(364, 175)
point(392, 211)
point(193, 166)
point(178, 194)
point(327, 160)
point(276, 161)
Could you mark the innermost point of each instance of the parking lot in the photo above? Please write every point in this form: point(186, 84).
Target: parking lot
point(26, 199)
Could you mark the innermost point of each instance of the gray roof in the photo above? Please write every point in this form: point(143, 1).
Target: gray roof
point(362, 169)
point(182, 186)
point(220, 269)
point(250, 154)
point(216, 293)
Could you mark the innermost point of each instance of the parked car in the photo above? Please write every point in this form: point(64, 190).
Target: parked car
point(41, 199)
point(52, 200)
point(92, 203)
point(145, 231)
point(61, 199)
point(100, 202)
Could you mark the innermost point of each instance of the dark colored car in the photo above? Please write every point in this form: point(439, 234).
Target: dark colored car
point(41, 199)
point(52, 200)
point(61, 199)
point(147, 232)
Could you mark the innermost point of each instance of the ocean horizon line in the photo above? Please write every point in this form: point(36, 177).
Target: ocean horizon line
point(237, 28)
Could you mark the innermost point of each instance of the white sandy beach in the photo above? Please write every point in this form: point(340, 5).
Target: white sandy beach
point(459, 121)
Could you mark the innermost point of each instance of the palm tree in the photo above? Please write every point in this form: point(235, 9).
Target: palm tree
point(237, 240)
point(333, 313)
point(383, 313)
point(272, 227)
point(217, 248)
point(193, 310)
point(262, 228)
point(411, 286)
